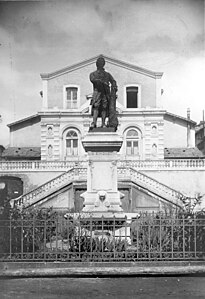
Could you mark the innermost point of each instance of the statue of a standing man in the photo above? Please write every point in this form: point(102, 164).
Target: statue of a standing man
point(102, 95)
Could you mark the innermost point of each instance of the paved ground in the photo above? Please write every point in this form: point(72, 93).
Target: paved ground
point(123, 288)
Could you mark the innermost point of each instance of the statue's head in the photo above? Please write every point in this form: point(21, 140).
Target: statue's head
point(100, 62)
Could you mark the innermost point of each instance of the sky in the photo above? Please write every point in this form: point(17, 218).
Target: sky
point(43, 36)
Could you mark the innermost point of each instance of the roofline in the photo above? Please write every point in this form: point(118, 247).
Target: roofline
point(181, 117)
point(156, 75)
point(22, 120)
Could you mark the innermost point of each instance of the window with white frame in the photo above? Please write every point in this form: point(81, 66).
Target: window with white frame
point(71, 97)
point(132, 97)
point(132, 142)
point(71, 143)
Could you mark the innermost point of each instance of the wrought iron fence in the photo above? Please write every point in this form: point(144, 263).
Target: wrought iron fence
point(49, 236)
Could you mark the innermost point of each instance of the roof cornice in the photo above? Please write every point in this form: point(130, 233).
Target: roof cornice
point(180, 117)
point(134, 68)
point(23, 120)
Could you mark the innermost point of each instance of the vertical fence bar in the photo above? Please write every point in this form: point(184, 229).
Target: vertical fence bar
point(160, 234)
point(61, 230)
point(102, 239)
point(33, 238)
point(56, 237)
point(183, 235)
point(79, 238)
point(44, 239)
point(126, 237)
point(172, 236)
point(149, 238)
point(21, 238)
point(138, 240)
point(195, 239)
point(91, 237)
point(189, 236)
point(68, 238)
point(114, 236)
point(10, 237)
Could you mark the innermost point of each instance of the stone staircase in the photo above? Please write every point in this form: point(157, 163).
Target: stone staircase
point(80, 173)
point(50, 187)
point(151, 185)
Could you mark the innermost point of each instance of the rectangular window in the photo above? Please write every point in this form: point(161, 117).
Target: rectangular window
point(132, 97)
point(75, 147)
point(68, 147)
point(135, 148)
point(71, 97)
point(129, 148)
point(71, 147)
point(132, 148)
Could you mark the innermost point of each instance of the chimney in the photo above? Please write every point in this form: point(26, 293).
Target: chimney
point(188, 128)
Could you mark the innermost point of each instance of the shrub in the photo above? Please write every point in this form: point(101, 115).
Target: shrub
point(46, 235)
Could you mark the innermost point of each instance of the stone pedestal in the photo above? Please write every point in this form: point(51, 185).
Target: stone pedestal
point(102, 200)
point(102, 196)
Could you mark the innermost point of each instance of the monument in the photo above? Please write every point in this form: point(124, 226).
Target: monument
point(102, 197)
point(104, 97)
point(102, 200)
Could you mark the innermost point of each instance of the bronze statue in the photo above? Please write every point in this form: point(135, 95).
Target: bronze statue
point(104, 99)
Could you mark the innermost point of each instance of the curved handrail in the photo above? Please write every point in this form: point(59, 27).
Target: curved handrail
point(50, 186)
point(151, 184)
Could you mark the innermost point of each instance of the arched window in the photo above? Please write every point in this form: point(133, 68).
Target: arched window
point(132, 142)
point(71, 143)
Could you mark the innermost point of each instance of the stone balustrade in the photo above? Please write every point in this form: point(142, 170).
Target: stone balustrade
point(8, 166)
point(80, 173)
point(21, 166)
point(176, 164)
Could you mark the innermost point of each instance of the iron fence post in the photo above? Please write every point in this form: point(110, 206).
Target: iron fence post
point(160, 234)
point(44, 240)
point(91, 236)
point(33, 238)
point(56, 238)
point(21, 237)
point(195, 239)
point(172, 236)
point(114, 236)
point(183, 235)
point(10, 237)
point(79, 234)
point(149, 241)
point(126, 237)
point(68, 237)
point(102, 239)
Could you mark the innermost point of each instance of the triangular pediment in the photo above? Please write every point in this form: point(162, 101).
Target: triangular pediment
point(110, 60)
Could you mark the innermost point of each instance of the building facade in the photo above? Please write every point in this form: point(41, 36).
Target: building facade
point(150, 133)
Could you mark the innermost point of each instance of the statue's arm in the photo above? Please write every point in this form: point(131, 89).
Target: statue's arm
point(112, 81)
point(92, 78)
